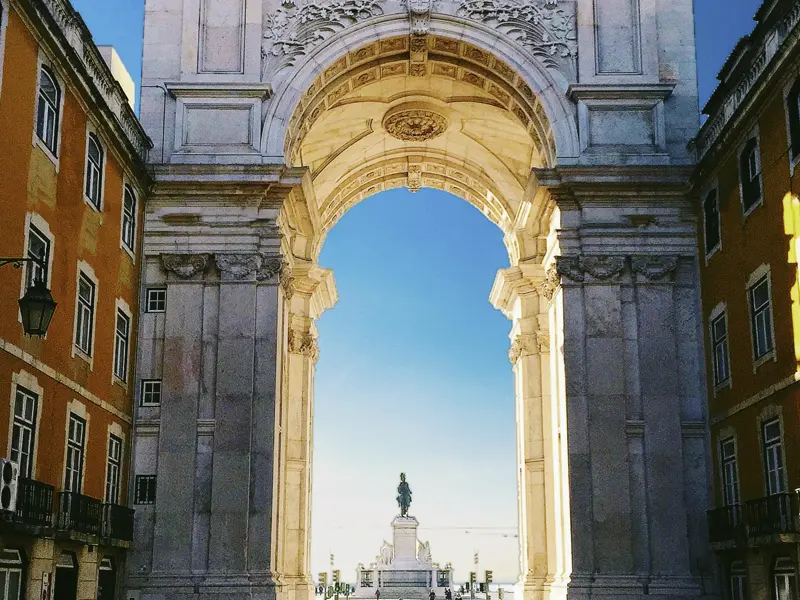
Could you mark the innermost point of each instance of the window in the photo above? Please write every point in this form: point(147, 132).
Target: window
point(151, 392)
point(784, 579)
point(39, 248)
point(84, 328)
point(761, 316)
point(47, 110)
point(112, 469)
point(121, 337)
point(23, 435)
point(793, 108)
point(145, 489)
point(94, 170)
point(730, 483)
point(719, 345)
point(10, 574)
point(156, 300)
point(773, 457)
point(76, 437)
point(711, 221)
point(128, 218)
point(750, 175)
point(738, 581)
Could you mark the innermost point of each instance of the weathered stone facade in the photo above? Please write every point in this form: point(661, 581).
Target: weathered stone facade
point(566, 124)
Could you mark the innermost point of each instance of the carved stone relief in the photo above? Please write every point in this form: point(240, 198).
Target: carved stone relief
point(185, 265)
point(525, 344)
point(271, 266)
point(238, 266)
point(414, 124)
point(654, 268)
point(580, 269)
point(303, 342)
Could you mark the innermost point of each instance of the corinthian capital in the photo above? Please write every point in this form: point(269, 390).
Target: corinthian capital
point(238, 266)
point(303, 342)
point(654, 268)
point(185, 265)
point(271, 267)
point(525, 344)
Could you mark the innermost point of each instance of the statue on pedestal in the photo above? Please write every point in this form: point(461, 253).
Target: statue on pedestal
point(403, 495)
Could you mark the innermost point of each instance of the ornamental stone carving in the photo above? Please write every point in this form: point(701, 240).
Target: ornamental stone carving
point(287, 281)
point(601, 268)
point(185, 265)
point(238, 266)
point(419, 16)
point(570, 268)
point(296, 28)
point(271, 267)
point(525, 344)
point(546, 27)
point(550, 283)
point(414, 123)
point(654, 268)
point(303, 342)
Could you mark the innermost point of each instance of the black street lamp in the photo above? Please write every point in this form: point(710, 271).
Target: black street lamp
point(37, 305)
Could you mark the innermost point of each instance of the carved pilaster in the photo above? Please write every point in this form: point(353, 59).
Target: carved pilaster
point(238, 266)
point(654, 268)
point(303, 342)
point(185, 266)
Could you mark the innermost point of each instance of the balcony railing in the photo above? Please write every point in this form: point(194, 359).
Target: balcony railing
point(77, 512)
point(726, 523)
point(34, 503)
point(118, 522)
point(773, 514)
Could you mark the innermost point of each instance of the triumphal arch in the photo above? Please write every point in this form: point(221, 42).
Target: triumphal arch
point(566, 123)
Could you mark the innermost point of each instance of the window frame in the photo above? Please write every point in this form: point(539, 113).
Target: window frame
point(98, 203)
point(18, 566)
point(150, 480)
point(143, 393)
point(129, 245)
point(122, 377)
point(791, 96)
point(775, 445)
point(738, 571)
point(753, 140)
point(21, 422)
point(31, 269)
point(788, 573)
point(720, 312)
point(761, 276)
point(147, 308)
point(709, 252)
point(730, 488)
point(75, 446)
point(113, 479)
point(92, 312)
point(44, 64)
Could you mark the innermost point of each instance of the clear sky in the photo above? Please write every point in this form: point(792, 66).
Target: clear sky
point(413, 373)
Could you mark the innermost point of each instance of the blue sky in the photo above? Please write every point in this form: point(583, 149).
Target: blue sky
point(413, 374)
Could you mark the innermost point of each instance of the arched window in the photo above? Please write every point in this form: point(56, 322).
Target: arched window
point(784, 579)
point(94, 170)
point(750, 174)
point(129, 218)
point(47, 110)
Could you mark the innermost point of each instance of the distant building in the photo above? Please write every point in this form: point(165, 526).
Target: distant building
point(747, 183)
point(72, 188)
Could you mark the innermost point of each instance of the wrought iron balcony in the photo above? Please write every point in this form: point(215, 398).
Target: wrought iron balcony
point(726, 523)
point(118, 522)
point(34, 503)
point(773, 514)
point(80, 513)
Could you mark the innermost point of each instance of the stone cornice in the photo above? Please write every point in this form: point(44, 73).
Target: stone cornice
point(597, 181)
point(510, 284)
point(200, 89)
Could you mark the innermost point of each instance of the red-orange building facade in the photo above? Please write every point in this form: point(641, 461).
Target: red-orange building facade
point(747, 188)
point(72, 191)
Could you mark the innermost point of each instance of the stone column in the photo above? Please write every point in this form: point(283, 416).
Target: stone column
point(520, 292)
point(311, 291)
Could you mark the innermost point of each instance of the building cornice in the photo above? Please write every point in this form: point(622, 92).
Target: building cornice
point(62, 29)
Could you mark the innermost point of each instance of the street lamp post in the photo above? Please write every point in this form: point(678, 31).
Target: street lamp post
point(37, 305)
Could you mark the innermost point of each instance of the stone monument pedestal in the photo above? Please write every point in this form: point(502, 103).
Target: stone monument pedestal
point(403, 569)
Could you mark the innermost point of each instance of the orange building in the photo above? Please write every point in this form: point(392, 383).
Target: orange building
point(747, 187)
point(72, 189)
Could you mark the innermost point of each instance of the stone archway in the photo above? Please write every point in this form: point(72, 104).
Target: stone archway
point(565, 122)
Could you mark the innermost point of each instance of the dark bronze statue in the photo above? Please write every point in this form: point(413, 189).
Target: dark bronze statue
point(403, 495)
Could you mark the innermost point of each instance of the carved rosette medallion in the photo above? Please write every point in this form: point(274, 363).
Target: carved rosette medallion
point(238, 266)
point(302, 342)
point(654, 268)
point(414, 123)
point(185, 266)
point(525, 344)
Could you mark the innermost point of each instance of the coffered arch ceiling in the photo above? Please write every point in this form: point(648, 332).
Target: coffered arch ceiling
point(420, 111)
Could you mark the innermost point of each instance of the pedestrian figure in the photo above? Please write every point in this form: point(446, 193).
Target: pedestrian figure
point(377, 595)
point(432, 595)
